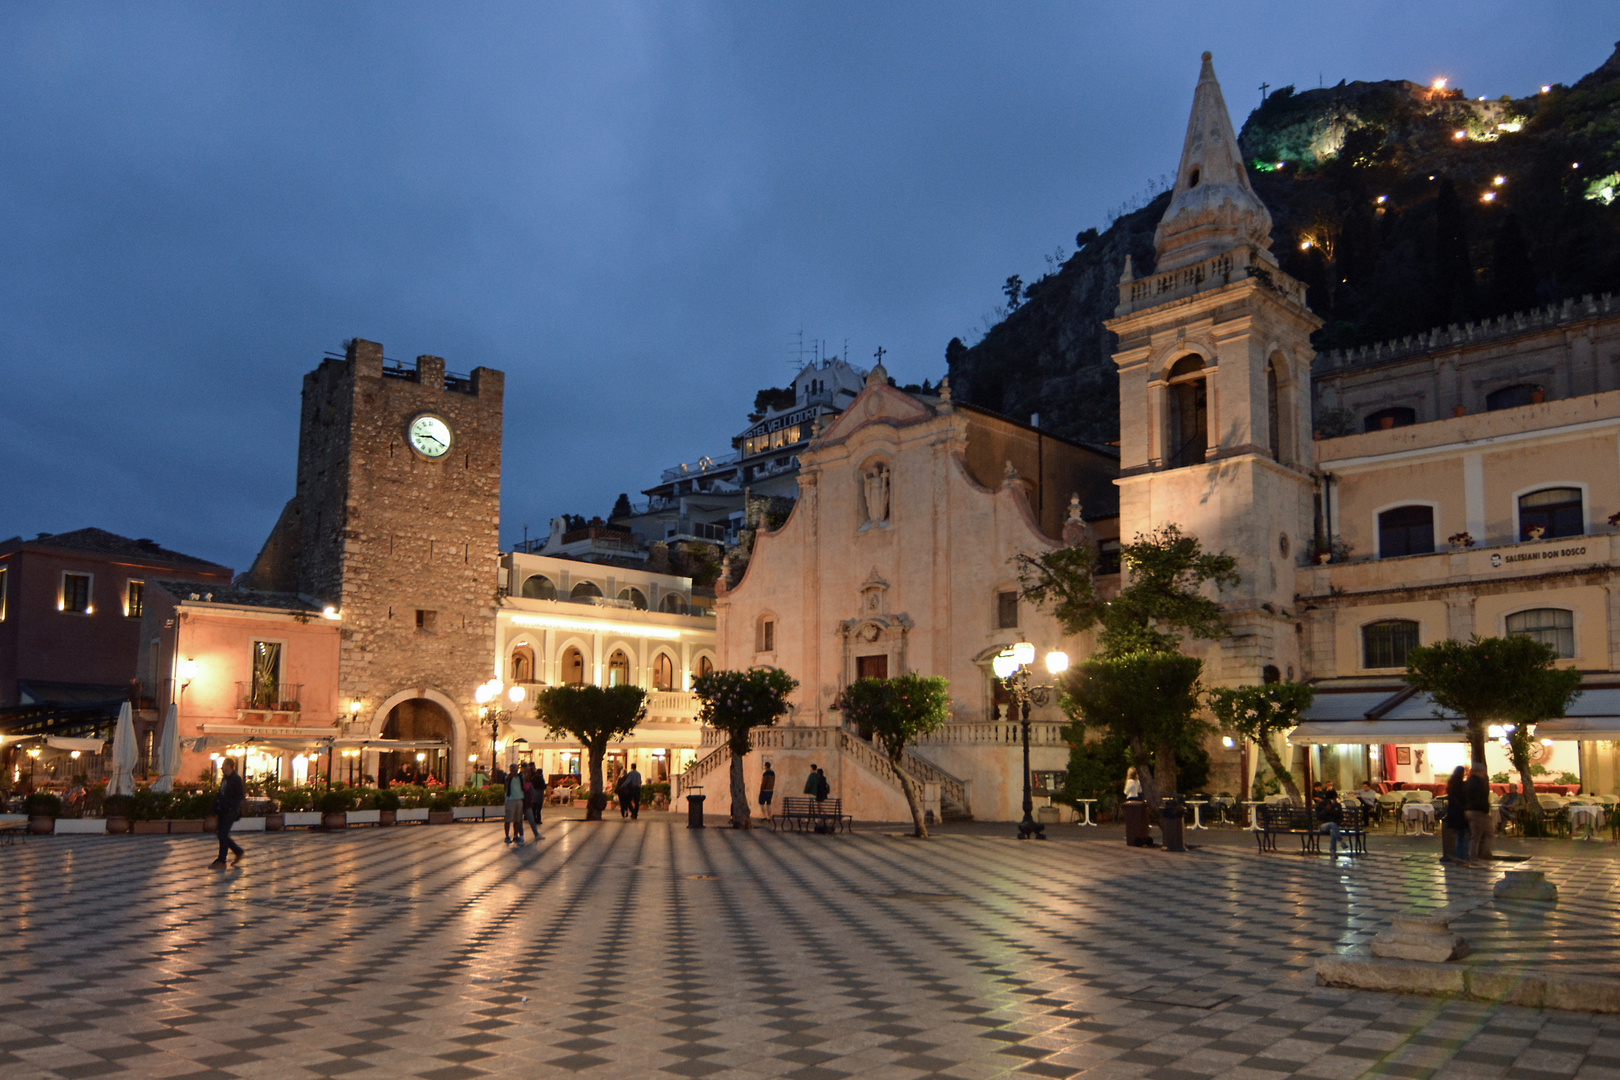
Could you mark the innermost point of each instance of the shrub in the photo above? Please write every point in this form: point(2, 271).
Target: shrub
point(42, 804)
point(440, 803)
point(334, 802)
point(387, 800)
point(149, 805)
point(296, 800)
point(653, 790)
point(117, 806)
point(193, 807)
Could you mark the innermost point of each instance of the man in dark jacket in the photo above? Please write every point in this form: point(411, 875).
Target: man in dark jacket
point(1329, 817)
point(1477, 795)
point(227, 808)
point(630, 794)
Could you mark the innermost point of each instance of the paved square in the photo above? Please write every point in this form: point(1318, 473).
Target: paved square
point(645, 949)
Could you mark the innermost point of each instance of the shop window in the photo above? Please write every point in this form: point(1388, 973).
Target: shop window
point(872, 667)
point(1554, 511)
point(618, 668)
point(539, 587)
point(637, 598)
point(663, 672)
point(1386, 644)
point(1406, 530)
point(1509, 397)
point(1399, 416)
point(76, 593)
point(1007, 610)
point(134, 594)
point(1189, 413)
point(584, 592)
point(1550, 626)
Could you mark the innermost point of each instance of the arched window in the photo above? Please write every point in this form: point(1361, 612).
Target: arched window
point(674, 603)
point(1189, 413)
point(618, 668)
point(1385, 644)
point(663, 672)
point(1509, 397)
point(1554, 511)
point(539, 587)
point(584, 591)
point(522, 664)
point(1406, 530)
point(705, 666)
point(573, 667)
point(1550, 626)
point(1397, 416)
point(1273, 411)
point(637, 598)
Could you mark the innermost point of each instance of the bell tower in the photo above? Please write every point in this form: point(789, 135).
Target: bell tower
point(1214, 388)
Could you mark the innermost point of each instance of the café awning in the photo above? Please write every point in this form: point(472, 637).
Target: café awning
point(1376, 732)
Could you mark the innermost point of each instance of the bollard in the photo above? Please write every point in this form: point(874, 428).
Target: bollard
point(694, 811)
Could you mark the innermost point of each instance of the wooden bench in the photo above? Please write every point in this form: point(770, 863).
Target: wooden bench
point(801, 810)
point(1278, 821)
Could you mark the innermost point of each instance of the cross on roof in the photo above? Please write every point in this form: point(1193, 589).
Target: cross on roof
point(879, 354)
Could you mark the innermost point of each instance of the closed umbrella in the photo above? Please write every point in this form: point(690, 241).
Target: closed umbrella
point(168, 751)
point(123, 753)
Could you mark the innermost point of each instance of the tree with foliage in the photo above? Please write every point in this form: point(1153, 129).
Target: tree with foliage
point(1013, 290)
point(1148, 698)
point(1512, 680)
point(737, 702)
point(897, 711)
point(1261, 713)
point(621, 506)
point(596, 716)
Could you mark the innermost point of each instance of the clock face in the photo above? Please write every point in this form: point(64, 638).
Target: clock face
point(430, 436)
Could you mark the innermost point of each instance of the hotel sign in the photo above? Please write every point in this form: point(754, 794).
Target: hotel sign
point(1499, 560)
point(283, 730)
point(779, 422)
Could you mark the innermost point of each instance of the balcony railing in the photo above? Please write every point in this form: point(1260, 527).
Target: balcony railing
point(269, 697)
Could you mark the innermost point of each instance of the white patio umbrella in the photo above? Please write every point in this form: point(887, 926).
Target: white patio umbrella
point(168, 761)
point(123, 753)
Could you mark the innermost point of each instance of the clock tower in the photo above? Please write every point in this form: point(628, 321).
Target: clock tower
point(395, 524)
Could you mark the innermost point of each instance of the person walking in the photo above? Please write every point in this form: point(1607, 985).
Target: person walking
point(533, 795)
point(767, 790)
point(513, 822)
point(227, 808)
point(1477, 795)
point(811, 784)
point(1457, 816)
point(630, 794)
point(823, 789)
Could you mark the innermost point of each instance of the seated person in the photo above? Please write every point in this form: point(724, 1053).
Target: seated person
point(1329, 816)
point(1368, 794)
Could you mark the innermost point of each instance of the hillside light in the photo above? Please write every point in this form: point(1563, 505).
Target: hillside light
point(1546, 89)
point(1382, 199)
point(1499, 181)
point(1489, 196)
point(1457, 135)
point(1304, 245)
point(1438, 84)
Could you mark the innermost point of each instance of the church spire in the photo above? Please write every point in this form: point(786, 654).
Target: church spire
point(1213, 209)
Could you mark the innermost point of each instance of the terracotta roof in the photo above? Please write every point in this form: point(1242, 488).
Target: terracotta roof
point(205, 592)
point(102, 542)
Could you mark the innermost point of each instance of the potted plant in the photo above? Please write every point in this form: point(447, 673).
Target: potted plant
point(387, 807)
point(42, 809)
point(148, 812)
point(1462, 540)
point(117, 809)
point(190, 811)
point(274, 819)
point(334, 809)
point(440, 810)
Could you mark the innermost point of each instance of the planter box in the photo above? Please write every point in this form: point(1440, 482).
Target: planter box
point(94, 826)
point(249, 824)
point(301, 818)
point(274, 822)
point(211, 824)
point(364, 817)
point(185, 825)
point(440, 817)
point(473, 813)
point(40, 825)
point(386, 817)
point(118, 826)
point(335, 821)
point(149, 828)
point(419, 813)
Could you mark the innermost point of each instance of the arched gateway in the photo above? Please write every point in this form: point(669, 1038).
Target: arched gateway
point(423, 722)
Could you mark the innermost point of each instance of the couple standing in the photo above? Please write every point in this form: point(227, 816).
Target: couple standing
point(525, 791)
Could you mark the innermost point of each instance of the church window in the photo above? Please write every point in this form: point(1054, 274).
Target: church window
point(1406, 530)
point(1398, 416)
point(1550, 626)
point(1189, 413)
point(674, 603)
point(1193, 177)
point(1007, 610)
point(1385, 644)
point(765, 638)
point(1555, 511)
point(1273, 413)
point(584, 592)
point(636, 597)
point(618, 668)
point(1509, 397)
point(663, 673)
point(872, 667)
point(539, 587)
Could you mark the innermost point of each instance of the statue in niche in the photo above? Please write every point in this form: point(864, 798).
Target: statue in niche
point(877, 494)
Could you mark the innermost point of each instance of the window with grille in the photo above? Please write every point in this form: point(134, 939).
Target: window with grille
point(76, 593)
point(1007, 610)
point(1550, 626)
point(1406, 530)
point(1386, 644)
point(1555, 511)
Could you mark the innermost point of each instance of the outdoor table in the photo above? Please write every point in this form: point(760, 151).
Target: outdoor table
point(1254, 813)
point(1085, 804)
point(1420, 814)
point(1589, 817)
point(1197, 806)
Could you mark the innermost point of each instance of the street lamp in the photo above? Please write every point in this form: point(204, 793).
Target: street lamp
point(489, 697)
point(1012, 668)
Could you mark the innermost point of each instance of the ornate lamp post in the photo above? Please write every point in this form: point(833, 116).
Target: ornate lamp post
point(488, 697)
point(1012, 668)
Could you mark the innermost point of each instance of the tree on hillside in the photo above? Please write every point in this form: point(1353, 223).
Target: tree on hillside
point(621, 506)
point(736, 702)
point(596, 716)
point(897, 711)
point(1148, 698)
point(1261, 713)
point(1512, 680)
point(1014, 291)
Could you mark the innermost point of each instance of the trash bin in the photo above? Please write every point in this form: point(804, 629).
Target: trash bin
point(1172, 824)
point(1136, 824)
point(694, 811)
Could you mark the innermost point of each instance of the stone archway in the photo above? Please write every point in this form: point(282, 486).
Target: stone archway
point(431, 712)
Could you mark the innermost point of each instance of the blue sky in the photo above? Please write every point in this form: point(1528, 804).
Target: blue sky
point(631, 209)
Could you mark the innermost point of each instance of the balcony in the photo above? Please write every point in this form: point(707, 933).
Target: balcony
point(671, 704)
point(261, 697)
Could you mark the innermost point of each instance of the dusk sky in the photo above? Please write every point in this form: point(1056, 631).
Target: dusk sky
point(633, 210)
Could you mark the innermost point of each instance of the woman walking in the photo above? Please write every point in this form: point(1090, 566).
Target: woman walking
point(227, 808)
point(1457, 816)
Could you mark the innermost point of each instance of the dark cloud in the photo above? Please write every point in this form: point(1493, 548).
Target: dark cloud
point(631, 209)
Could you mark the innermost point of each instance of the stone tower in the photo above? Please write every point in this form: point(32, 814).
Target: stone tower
point(395, 524)
point(1214, 388)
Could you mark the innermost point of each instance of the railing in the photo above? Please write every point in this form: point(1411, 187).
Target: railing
point(673, 702)
point(996, 733)
point(694, 774)
point(1157, 288)
point(268, 697)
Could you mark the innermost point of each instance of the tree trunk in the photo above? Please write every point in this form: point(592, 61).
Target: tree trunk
point(594, 804)
point(1476, 740)
point(1164, 770)
point(913, 792)
point(742, 816)
point(1144, 774)
point(1529, 807)
point(1284, 776)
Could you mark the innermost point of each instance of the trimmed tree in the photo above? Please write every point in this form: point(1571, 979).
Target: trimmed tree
point(596, 716)
point(1150, 699)
point(737, 702)
point(896, 711)
point(1261, 713)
